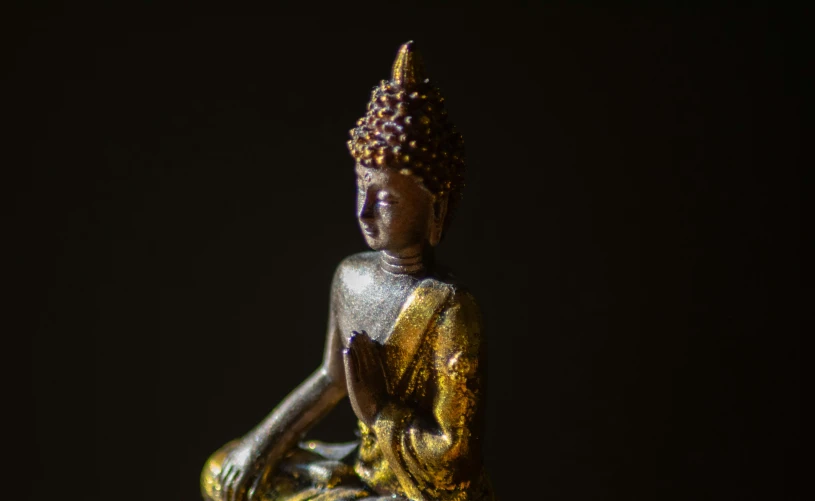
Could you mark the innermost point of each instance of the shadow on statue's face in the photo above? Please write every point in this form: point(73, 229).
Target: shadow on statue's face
point(395, 212)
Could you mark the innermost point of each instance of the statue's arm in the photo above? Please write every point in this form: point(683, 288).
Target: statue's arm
point(305, 405)
point(247, 461)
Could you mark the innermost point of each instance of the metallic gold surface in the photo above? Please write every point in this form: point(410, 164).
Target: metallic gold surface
point(404, 340)
point(428, 436)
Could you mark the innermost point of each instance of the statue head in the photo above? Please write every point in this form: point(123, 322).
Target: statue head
point(409, 160)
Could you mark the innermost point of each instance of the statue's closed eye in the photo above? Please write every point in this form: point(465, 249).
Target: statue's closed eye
point(385, 198)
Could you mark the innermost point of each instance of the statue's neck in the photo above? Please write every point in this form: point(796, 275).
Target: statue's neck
point(410, 263)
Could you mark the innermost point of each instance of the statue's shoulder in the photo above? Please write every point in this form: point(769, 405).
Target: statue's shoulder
point(355, 265)
point(459, 293)
point(459, 324)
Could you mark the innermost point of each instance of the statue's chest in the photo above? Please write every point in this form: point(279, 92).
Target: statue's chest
point(372, 308)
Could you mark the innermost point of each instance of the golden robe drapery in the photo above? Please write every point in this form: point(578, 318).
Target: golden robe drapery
point(426, 443)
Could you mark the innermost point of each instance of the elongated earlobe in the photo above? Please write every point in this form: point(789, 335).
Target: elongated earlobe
point(437, 219)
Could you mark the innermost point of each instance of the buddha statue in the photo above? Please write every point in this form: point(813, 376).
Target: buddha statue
point(404, 340)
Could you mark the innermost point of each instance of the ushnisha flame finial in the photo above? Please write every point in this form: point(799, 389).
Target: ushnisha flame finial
point(408, 68)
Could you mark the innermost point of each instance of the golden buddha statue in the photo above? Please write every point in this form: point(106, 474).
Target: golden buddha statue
point(404, 341)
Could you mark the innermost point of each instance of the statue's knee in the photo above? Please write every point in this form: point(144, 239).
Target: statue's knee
point(210, 483)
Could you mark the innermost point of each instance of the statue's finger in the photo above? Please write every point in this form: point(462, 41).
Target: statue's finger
point(359, 338)
point(235, 487)
point(237, 480)
point(225, 493)
point(358, 352)
point(250, 495)
point(370, 359)
point(360, 365)
point(224, 472)
point(226, 485)
point(370, 354)
point(357, 343)
point(347, 363)
point(353, 364)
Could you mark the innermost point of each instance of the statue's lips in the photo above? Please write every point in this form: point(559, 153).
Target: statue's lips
point(370, 230)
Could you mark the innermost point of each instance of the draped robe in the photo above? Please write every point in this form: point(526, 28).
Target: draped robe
point(425, 444)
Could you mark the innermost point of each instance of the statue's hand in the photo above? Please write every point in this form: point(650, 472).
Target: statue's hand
point(365, 377)
point(241, 471)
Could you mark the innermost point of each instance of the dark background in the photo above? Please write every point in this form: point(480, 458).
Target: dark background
point(630, 227)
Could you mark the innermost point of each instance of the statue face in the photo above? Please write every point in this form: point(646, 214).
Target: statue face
point(395, 212)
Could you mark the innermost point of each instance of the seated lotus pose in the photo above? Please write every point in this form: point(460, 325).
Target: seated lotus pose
point(404, 340)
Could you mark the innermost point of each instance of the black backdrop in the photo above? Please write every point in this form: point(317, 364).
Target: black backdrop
point(630, 227)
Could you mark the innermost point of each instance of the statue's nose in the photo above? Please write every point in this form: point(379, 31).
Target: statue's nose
point(366, 208)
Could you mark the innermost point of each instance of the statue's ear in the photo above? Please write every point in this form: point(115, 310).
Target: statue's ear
point(437, 222)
